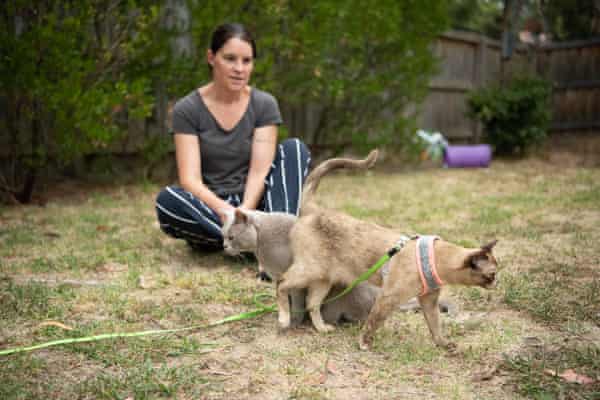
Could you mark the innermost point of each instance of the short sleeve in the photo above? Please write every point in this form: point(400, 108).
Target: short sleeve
point(181, 121)
point(269, 111)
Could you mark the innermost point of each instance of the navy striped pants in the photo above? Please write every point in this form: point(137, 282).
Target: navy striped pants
point(184, 216)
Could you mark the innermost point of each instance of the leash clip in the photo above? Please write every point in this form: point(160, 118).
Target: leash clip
point(399, 245)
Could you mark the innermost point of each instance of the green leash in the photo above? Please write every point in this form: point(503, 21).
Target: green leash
point(262, 309)
point(380, 263)
point(363, 277)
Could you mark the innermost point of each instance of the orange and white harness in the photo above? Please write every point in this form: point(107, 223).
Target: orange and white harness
point(425, 256)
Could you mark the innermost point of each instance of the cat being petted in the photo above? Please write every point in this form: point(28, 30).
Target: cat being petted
point(264, 234)
point(267, 236)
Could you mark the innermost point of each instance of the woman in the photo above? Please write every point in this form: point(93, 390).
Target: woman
point(225, 135)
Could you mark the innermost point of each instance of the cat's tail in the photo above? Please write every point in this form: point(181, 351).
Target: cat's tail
point(314, 178)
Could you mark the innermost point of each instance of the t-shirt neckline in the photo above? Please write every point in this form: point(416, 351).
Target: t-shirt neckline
point(216, 121)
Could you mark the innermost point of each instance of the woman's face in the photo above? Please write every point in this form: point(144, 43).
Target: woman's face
point(232, 64)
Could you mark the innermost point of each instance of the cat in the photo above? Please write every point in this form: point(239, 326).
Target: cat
point(267, 236)
point(331, 249)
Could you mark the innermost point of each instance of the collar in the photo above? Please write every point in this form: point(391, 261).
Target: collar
point(426, 264)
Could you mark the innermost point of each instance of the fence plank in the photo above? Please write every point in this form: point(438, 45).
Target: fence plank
point(573, 67)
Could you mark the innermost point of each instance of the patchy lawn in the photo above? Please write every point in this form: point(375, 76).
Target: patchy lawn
point(95, 261)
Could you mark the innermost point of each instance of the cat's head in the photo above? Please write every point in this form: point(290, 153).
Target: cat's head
point(480, 267)
point(239, 234)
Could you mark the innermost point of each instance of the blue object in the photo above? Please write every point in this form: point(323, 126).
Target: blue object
point(436, 143)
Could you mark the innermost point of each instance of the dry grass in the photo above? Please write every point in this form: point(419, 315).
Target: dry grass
point(96, 261)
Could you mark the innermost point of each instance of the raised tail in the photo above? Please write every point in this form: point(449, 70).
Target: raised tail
point(314, 178)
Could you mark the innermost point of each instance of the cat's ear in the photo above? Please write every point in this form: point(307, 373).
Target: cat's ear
point(488, 247)
point(480, 256)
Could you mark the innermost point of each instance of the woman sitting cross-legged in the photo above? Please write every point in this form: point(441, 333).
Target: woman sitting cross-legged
point(225, 135)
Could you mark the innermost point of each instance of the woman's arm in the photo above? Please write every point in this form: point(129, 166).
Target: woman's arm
point(263, 154)
point(189, 170)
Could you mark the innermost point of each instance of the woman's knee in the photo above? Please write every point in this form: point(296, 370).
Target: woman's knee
point(294, 146)
point(184, 213)
point(163, 197)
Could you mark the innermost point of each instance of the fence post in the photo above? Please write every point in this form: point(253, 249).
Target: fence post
point(479, 80)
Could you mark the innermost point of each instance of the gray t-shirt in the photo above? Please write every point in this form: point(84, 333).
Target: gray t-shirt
point(225, 154)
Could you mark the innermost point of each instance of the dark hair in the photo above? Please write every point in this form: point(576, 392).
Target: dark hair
point(227, 31)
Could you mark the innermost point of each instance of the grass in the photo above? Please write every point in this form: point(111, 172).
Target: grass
point(33, 300)
point(536, 372)
point(553, 297)
point(96, 261)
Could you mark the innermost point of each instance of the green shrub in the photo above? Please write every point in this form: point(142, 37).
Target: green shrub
point(515, 116)
point(72, 74)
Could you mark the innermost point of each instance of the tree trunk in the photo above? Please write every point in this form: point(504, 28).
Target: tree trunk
point(319, 130)
point(26, 193)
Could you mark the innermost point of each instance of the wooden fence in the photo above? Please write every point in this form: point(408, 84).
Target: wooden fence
point(574, 68)
point(466, 61)
point(469, 60)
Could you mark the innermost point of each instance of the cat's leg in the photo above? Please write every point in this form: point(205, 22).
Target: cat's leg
point(298, 306)
point(388, 301)
point(293, 279)
point(317, 291)
point(429, 304)
point(262, 275)
point(333, 312)
point(283, 306)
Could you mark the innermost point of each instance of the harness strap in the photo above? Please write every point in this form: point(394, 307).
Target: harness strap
point(385, 270)
point(426, 264)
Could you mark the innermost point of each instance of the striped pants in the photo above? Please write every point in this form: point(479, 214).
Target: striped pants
point(184, 216)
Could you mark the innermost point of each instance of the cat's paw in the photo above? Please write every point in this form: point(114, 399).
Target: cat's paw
point(365, 343)
point(284, 324)
point(324, 328)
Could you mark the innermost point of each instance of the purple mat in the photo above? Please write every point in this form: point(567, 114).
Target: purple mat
point(479, 155)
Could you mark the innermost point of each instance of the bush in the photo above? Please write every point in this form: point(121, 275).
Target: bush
point(357, 72)
point(71, 76)
point(515, 116)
